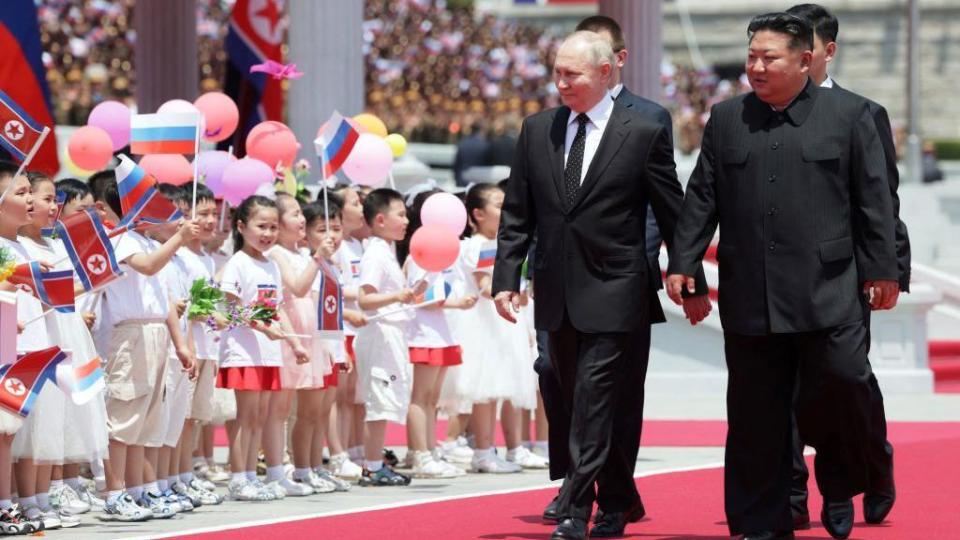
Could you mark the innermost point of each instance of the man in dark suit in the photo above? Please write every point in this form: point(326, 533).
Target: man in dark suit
point(472, 151)
point(880, 493)
point(795, 178)
point(582, 179)
point(609, 30)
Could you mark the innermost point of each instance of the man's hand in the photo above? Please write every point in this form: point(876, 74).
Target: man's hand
point(508, 303)
point(675, 283)
point(696, 308)
point(882, 294)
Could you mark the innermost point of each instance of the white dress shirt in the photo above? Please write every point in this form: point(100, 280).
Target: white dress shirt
point(599, 115)
point(615, 91)
point(827, 83)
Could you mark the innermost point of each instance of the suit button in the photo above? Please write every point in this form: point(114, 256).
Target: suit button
point(773, 246)
point(775, 145)
point(773, 178)
point(772, 211)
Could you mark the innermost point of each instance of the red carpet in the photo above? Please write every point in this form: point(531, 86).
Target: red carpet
point(684, 505)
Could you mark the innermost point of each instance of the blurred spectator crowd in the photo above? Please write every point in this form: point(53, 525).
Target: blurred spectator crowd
point(433, 70)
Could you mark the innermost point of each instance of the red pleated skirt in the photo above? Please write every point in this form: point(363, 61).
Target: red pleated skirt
point(249, 378)
point(440, 357)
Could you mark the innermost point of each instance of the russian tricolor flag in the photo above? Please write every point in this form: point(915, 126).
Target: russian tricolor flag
point(488, 254)
point(169, 133)
point(437, 291)
point(81, 380)
point(139, 199)
point(54, 289)
point(335, 143)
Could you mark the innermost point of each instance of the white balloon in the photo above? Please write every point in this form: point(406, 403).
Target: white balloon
point(175, 106)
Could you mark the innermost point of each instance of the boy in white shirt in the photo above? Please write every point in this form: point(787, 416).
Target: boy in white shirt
point(144, 322)
point(382, 357)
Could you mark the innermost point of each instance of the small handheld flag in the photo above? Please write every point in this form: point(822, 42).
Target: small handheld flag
point(488, 254)
point(18, 132)
point(54, 289)
point(81, 380)
point(437, 291)
point(89, 248)
point(140, 201)
point(165, 133)
point(22, 381)
point(330, 305)
point(335, 144)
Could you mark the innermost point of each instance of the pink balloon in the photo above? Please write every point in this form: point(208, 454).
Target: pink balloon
point(434, 247)
point(114, 118)
point(90, 148)
point(178, 106)
point(370, 161)
point(272, 143)
point(220, 116)
point(446, 210)
point(210, 165)
point(242, 178)
point(168, 168)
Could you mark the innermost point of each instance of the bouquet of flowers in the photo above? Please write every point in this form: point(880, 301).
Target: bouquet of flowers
point(7, 263)
point(205, 300)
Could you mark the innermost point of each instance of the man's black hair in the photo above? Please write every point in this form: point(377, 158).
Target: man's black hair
point(799, 29)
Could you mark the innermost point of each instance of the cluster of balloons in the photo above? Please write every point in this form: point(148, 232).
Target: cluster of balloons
point(436, 244)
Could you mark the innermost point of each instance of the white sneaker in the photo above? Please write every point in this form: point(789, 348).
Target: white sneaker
point(341, 466)
point(206, 497)
point(542, 451)
point(244, 490)
point(216, 474)
point(86, 495)
point(492, 463)
point(124, 509)
point(49, 517)
point(408, 460)
point(325, 475)
point(67, 521)
point(427, 467)
point(293, 489)
point(526, 459)
point(456, 453)
point(66, 500)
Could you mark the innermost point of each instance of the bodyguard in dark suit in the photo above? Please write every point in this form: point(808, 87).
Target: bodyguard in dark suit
point(880, 493)
point(472, 151)
point(795, 178)
point(583, 177)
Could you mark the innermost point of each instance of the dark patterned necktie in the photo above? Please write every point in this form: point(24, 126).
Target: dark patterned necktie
point(571, 174)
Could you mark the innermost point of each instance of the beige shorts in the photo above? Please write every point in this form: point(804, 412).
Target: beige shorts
point(384, 379)
point(135, 376)
point(201, 409)
point(177, 401)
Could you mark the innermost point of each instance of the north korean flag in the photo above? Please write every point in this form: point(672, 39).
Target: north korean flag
point(22, 381)
point(89, 248)
point(330, 305)
point(54, 289)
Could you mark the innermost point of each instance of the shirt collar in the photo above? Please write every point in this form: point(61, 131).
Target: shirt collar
point(598, 115)
point(615, 92)
point(827, 83)
point(799, 108)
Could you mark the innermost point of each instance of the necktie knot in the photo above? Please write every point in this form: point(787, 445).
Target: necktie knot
point(583, 119)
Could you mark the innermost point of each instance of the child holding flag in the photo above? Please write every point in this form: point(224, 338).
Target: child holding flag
point(433, 348)
point(382, 356)
point(493, 369)
point(16, 206)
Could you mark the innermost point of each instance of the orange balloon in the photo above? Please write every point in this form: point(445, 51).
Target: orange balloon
point(272, 143)
point(90, 148)
point(168, 168)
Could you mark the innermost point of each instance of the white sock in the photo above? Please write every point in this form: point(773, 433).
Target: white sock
point(6, 504)
point(197, 460)
point(31, 512)
point(544, 445)
point(173, 479)
point(186, 477)
point(275, 474)
point(301, 474)
point(210, 461)
point(163, 485)
point(74, 483)
point(100, 482)
point(239, 476)
point(251, 475)
point(43, 500)
point(136, 492)
point(152, 488)
point(483, 453)
point(114, 495)
point(56, 484)
point(373, 466)
point(355, 452)
point(27, 502)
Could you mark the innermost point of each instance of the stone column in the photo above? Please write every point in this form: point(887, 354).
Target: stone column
point(641, 21)
point(326, 41)
point(165, 55)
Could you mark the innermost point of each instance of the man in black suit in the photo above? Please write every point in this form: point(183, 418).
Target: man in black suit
point(559, 421)
point(795, 178)
point(880, 493)
point(472, 151)
point(582, 179)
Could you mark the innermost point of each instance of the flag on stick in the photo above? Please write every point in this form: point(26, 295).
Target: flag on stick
point(54, 289)
point(89, 248)
point(22, 381)
point(167, 133)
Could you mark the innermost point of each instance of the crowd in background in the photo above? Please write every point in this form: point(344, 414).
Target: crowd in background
point(433, 71)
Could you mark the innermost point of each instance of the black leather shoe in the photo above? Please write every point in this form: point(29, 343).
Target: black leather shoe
point(837, 518)
point(570, 529)
point(876, 506)
point(612, 524)
point(550, 512)
point(801, 522)
point(769, 535)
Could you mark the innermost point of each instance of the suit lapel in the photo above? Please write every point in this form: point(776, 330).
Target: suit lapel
point(610, 143)
point(558, 135)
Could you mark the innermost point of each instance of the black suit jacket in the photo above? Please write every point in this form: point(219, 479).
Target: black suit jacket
point(803, 204)
point(656, 113)
point(902, 238)
point(472, 151)
point(591, 257)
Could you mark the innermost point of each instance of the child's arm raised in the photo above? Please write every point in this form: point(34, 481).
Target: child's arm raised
point(297, 284)
point(149, 264)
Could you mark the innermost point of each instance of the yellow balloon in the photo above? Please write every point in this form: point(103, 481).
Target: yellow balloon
point(372, 124)
point(72, 167)
point(289, 182)
point(397, 144)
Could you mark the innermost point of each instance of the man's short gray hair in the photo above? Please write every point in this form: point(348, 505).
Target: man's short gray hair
point(598, 49)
